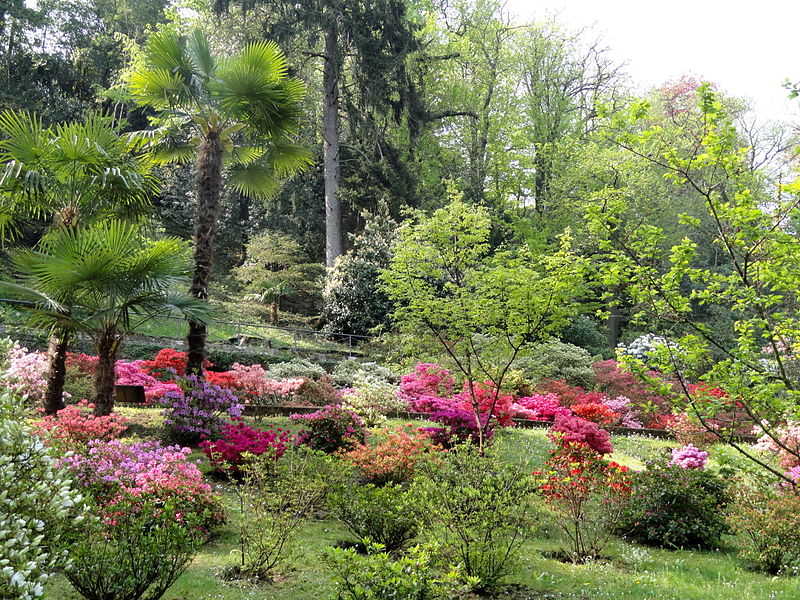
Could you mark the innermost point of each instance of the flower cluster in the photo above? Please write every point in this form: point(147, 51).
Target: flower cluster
point(198, 410)
point(393, 460)
point(168, 362)
point(72, 427)
point(135, 373)
point(238, 440)
point(460, 426)
point(538, 407)
point(789, 438)
point(113, 472)
point(83, 363)
point(371, 397)
point(689, 457)
point(574, 430)
point(330, 429)
point(423, 388)
point(596, 412)
point(25, 373)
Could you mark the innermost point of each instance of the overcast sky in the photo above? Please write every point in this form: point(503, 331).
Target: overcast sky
point(747, 49)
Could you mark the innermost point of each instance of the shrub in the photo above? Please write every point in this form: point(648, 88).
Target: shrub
point(538, 407)
point(676, 507)
point(113, 472)
point(613, 381)
point(460, 427)
point(394, 459)
point(388, 515)
point(556, 360)
point(689, 457)
point(629, 416)
point(276, 501)
point(137, 555)
point(330, 429)
point(767, 520)
point(317, 392)
point(134, 373)
point(72, 427)
point(370, 398)
point(587, 493)
point(788, 436)
point(479, 507)
point(78, 385)
point(572, 429)
point(596, 412)
point(377, 575)
point(344, 373)
point(84, 363)
point(239, 441)
point(37, 506)
point(198, 411)
point(25, 373)
point(168, 362)
point(425, 386)
point(498, 405)
point(297, 367)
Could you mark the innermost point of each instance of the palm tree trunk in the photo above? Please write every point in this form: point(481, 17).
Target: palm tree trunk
point(106, 346)
point(56, 374)
point(209, 177)
point(330, 138)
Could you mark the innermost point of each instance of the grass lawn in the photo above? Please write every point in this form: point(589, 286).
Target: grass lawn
point(629, 571)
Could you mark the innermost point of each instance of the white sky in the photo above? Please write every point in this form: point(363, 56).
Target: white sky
point(748, 49)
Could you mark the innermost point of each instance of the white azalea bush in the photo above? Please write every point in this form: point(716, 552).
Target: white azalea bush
point(371, 397)
point(37, 506)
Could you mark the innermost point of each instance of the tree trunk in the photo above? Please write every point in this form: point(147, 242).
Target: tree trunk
point(209, 177)
point(106, 347)
point(334, 246)
point(615, 318)
point(273, 317)
point(56, 373)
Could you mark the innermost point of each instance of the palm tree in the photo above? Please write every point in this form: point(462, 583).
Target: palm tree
point(104, 280)
point(239, 113)
point(74, 173)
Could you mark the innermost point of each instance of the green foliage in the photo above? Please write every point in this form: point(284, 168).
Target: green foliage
point(388, 515)
point(584, 333)
point(354, 300)
point(38, 508)
point(134, 554)
point(296, 367)
point(768, 523)
point(556, 360)
point(480, 511)
point(378, 575)
point(345, 371)
point(275, 501)
point(675, 507)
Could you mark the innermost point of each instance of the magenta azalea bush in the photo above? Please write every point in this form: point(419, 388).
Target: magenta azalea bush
point(330, 429)
point(238, 440)
point(199, 410)
point(135, 373)
point(574, 430)
point(424, 388)
point(459, 426)
point(539, 407)
point(689, 457)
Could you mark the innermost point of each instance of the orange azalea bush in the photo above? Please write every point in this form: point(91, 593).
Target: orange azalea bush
point(394, 459)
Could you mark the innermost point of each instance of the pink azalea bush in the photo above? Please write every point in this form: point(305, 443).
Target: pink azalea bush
point(574, 430)
point(25, 373)
point(238, 440)
point(113, 473)
point(330, 429)
point(135, 373)
point(789, 437)
point(628, 414)
point(539, 407)
point(425, 387)
point(74, 426)
point(689, 457)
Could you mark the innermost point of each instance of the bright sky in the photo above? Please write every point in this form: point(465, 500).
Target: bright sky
point(748, 49)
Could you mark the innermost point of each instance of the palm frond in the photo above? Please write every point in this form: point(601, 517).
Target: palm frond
point(253, 180)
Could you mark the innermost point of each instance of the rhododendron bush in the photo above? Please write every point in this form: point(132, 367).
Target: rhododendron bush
point(198, 409)
point(238, 441)
point(424, 388)
point(689, 457)
point(72, 427)
point(25, 373)
point(574, 430)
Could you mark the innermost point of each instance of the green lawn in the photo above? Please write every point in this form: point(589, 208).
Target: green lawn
point(629, 571)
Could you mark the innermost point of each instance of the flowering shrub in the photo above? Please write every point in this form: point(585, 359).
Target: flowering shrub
point(226, 379)
point(330, 429)
point(674, 507)
point(460, 427)
point(538, 407)
point(317, 392)
point(629, 416)
point(574, 430)
point(485, 397)
point(37, 507)
point(72, 427)
point(168, 362)
point(770, 518)
point(113, 472)
point(789, 437)
point(25, 373)
point(134, 373)
point(614, 381)
point(199, 409)
point(84, 363)
point(370, 398)
point(253, 382)
point(422, 388)
point(394, 459)
point(587, 493)
point(596, 412)
point(688, 431)
point(689, 457)
point(228, 452)
point(566, 393)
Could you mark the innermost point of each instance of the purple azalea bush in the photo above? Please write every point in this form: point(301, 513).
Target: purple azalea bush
point(199, 410)
point(689, 457)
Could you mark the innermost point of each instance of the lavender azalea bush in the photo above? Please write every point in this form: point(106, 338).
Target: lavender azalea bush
point(199, 410)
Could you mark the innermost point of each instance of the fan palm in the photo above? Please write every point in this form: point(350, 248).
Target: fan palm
point(76, 173)
point(104, 280)
point(236, 113)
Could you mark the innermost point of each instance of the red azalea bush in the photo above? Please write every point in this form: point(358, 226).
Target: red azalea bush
point(588, 494)
point(485, 398)
point(330, 429)
point(425, 386)
point(575, 430)
point(394, 459)
point(596, 413)
point(237, 439)
point(168, 362)
point(72, 427)
point(84, 363)
point(225, 379)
